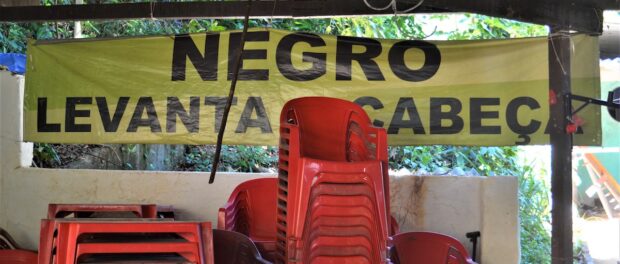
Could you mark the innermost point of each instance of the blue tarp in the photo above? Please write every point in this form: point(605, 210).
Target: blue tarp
point(14, 61)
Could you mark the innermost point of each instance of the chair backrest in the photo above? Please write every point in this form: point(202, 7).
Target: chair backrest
point(251, 209)
point(428, 247)
point(330, 154)
point(332, 129)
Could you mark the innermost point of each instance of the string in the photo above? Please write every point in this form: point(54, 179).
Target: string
point(273, 11)
point(555, 52)
point(152, 5)
point(392, 4)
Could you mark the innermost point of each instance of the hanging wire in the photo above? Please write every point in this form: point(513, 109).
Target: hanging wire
point(152, 6)
point(561, 34)
point(393, 5)
point(273, 11)
point(231, 94)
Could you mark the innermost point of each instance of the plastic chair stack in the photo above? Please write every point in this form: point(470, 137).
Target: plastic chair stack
point(141, 238)
point(49, 228)
point(332, 184)
point(79, 240)
point(251, 210)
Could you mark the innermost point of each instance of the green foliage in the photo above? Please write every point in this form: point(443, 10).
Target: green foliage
point(489, 161)
point(239, 158)
point(534, 214)
point(14, 36)
point(473, 26)
point(249, 158)
point(44, 155)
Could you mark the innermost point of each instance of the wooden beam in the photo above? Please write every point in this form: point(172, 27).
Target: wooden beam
point(579, 15)
point(19, 2)
point(561, 148)
point(182, 10)
point(584, 17)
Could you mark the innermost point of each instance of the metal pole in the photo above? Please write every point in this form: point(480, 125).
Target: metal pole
point(561, 147)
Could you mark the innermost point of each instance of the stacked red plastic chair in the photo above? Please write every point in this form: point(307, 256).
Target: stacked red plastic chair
point(134, 237)
point(251, 210)
point(332, 184)
point(77, 240)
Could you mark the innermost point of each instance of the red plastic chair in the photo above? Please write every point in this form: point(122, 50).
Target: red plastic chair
point(54, 211)
point(194, 246)
point(47, 239)
point(251, 210)
point(84, 210)
point(346, 195)
point(332, 184)
point(17, 256)
point(428, 247)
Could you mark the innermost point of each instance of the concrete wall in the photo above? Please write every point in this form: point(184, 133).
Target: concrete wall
point(456, 205)
point(450, 205)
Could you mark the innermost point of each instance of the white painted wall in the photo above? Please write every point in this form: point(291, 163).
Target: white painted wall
point(450, 205)
point(456, 205)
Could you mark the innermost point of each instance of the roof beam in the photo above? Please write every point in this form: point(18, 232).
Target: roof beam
point(583, 16)
point(579, 15)
point(183, 10)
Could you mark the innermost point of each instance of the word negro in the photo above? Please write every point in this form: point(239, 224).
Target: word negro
point(206, 63)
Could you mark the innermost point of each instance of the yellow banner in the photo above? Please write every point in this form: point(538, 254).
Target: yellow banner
point(172, 89)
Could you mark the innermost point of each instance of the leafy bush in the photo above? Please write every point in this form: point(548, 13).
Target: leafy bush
point(45, 155)
point(534, 214)
point(489, 161)
point(233, 158)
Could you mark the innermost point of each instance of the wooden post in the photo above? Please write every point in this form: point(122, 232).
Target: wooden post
point(561, 147)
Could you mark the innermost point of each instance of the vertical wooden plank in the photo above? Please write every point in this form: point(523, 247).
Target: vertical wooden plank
point(561, 147)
